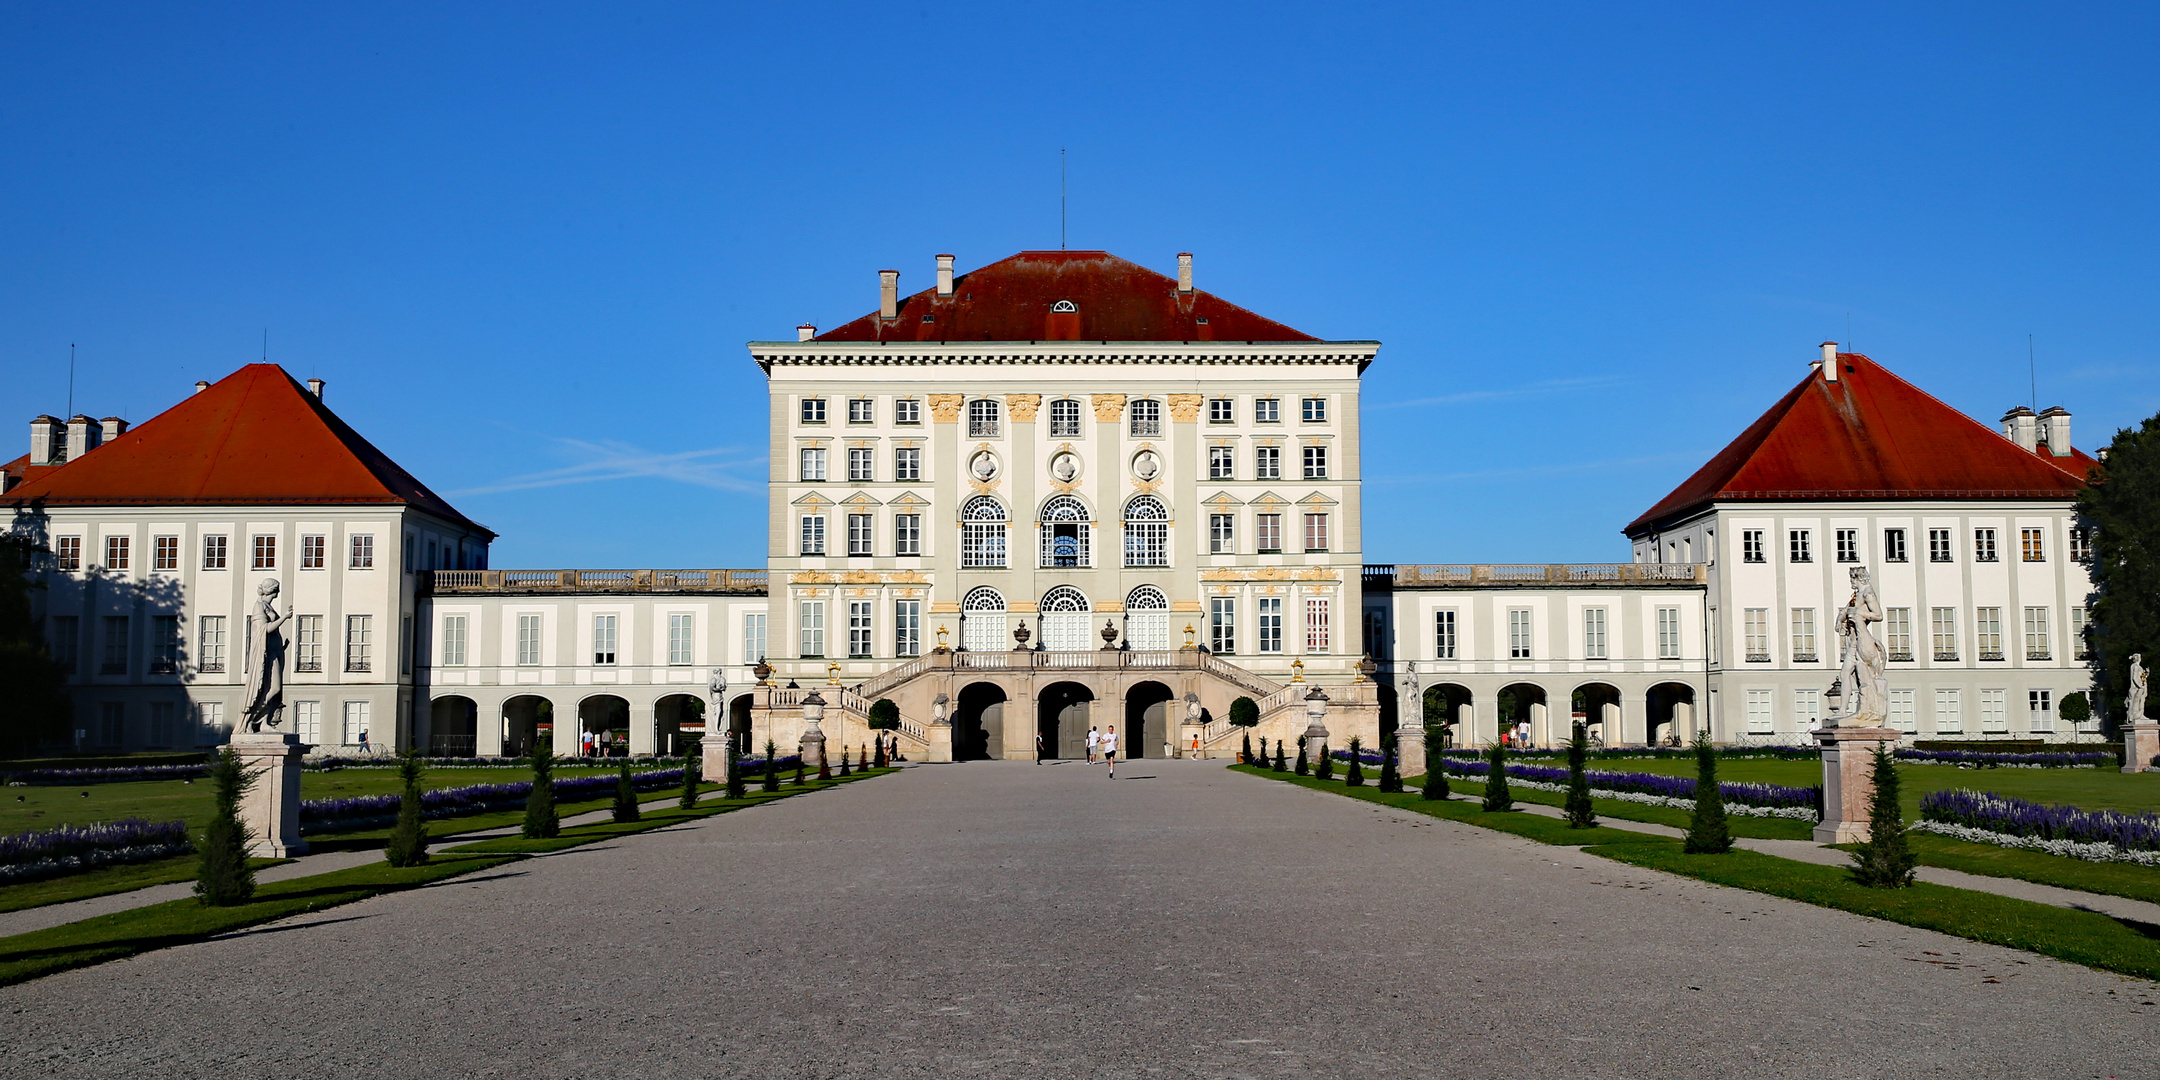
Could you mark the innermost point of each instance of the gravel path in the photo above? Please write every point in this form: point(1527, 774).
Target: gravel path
point(1008, 919)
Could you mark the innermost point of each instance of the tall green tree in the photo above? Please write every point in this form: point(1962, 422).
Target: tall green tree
point(409, 841)
point(2121, 512)
point(541, 821)
point(1354, 776)
point(1707, 833)
point(1244, 713)
point(1885, 860)
point(1436, 782)
point(625, 808)
point(771, 779)
point(1579, 813)
point(1390, 768)
point(884, 715)
point(690, 781)
point(734, 769)
point(1497, 795)
point(33, 691)
point(223, 877)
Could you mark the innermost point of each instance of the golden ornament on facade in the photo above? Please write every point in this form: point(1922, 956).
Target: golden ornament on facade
point(945, 408)
point(1185, 408)
point(1023, 407)
point(1108, 407)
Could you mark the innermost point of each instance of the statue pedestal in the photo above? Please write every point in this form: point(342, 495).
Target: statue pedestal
point(271, 808)
point(940, 743)
point(1410, 751)
point(1848, 762)
point(2141, 741)
point(813, 750)
point(713, 763)
point(1188, 736)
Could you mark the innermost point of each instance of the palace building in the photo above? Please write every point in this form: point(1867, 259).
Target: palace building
point(1058, 491)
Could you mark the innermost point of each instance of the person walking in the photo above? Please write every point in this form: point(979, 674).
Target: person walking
point(1094, 739)
point(1109, 750)
point(1038, 746)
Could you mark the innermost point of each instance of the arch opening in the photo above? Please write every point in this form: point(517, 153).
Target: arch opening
point(1063, 713)
point(1520, 708)
point(1597, 705)
point(1670, 712)
point(528, 721)
point(453, 727)
point(678, 723)
point(1448, 706)
point(1149, 720)
point(979, 723)
point(603, 727)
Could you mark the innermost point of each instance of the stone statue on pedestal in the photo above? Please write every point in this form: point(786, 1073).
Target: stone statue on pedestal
point(2140, 679)
point(265, 703)
point(1864, 676)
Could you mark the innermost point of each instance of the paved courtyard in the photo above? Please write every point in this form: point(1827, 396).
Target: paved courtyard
point(1009, 919)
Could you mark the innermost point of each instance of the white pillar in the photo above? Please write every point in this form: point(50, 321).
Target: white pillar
point(488, 731)
point(1609, 724)
point(645, 735)
point(1540, 724)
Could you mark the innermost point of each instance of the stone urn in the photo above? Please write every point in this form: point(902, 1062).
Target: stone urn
point(1021, 635)
point(1109, 635)
point(762, 670)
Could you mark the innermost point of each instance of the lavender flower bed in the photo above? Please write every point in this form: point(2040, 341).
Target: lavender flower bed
point(2091, 760)
point(106, 776)
point(71, 849)
point(2001, 814)
point(357, 811)
point(1678, 788)
point(1368, 757)
point(1724, 753)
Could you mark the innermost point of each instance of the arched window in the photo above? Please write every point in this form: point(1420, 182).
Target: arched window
point(1065, 619)
point(982, 532)
point(983, 418)
point(1065, 418)
point(1064, 533)
point(1146, 418)
point(1147, 619)
point(982, 620)
point(1147, 532)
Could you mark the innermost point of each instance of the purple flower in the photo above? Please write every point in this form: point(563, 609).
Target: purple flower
point(357, 810)
point(2017, 817)
point(87, 842)
point(2055, 760)
point(1671, 787)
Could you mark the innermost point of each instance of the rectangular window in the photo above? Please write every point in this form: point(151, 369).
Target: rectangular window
point(67, 553)
point(2040, 710)
point(861, 410)
point(1219, 411)
point(1593, 633)
point(813, 463)
point(1316, 463)
point(1987, 632)
point(1755, 625)
point(1994, 711)
point(1266, 410)
point(164, 644)
point(210, 648)
point(813, 410)
point(363, 552)
point(1942, 630)
point(356, 722)
point(115, 657)
point(1220, 464)
point(982, 543)
point(681, 639)
point(1315, 410)
point(308, 643)
point(811, 625)
point(360, 642)
point(1269, 530)
point(1803, 635)
point(1893, 545)
point(1270, 624)
point(2081, 544)
point(1798, 546)
point(116, 553)
point(2077, 633)
point(907, 463)
point(453, 641)
point(907, 534)
point(1807, 707)
point(1939, 545)
point(1267, 463)
point(528, 640)
point(1761, 718)
point(858, 464)
point(1222, 624)
point(1848, 545)
point(907, 628)
point(1444, 635)
point(1147, 543)
point(753, 636)
point(1316, 532)
point(1903, 714)
point(813, 534)
point(603, 640)
point(1751, 549)
point(112, 723)
point(1668, 633)
point(311, 552)
point(983, 418)
point(1317, 625)
point(858, 628)
point(1222, 534)
point(1897, 632)
point(1065, 418)
point(2032, 544)
point(161, 723)
point(1518, 634)
point(907, 411)
point(1983, 545)
point(1146, 418)
point(859, 530)
point(2036, 634)
point(165, 553)
point(1949, 710)
point(265, 553)
point(307, 721)
point(66, 642)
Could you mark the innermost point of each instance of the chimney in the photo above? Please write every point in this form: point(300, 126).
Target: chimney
point(2020, 426)
point(2054, 424)
point(1829, 361)
point(944, 275)
point(888, 294)
point(1184, 273)
point(114, 428)
point(83, 435)
point(201, 385)
point(314, 386)
point(805, 332)
point(48, 445)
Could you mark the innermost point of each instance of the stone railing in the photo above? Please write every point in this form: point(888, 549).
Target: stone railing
point(1412, 575)
point(537, 582)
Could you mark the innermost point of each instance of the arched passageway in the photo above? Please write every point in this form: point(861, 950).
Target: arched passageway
point(1522, 714)
point(1063, 713)
point(678, 723)
point(979, 723)
point(1148, 721)
point(738, 713)
point(1449, 706)
point(527, 720)
point(1597, 705)
point(453, 727)
point(1671, 713)
point(607, 719)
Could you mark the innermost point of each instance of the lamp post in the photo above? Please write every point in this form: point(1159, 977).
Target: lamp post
point(813, 737)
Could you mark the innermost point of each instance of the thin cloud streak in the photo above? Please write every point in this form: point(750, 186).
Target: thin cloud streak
point(622, 461)
point(1556, 386)
point(1546, 470)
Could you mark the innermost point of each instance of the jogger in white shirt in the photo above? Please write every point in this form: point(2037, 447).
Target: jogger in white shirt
point(1109, 750)
point(1094, 738)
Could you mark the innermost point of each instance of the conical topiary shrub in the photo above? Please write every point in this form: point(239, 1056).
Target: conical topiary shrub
point(1245, 753)
point(1390, 769)
point(800, 769)
point(1303, 766)
point(844, 770)
point(1354, 776)
point(878, 762)
point(222, 875)
point(691, 777)
point(824, 766)
point(1324, 765)
point(1281, 765)
point(771, 782)
point(734, 769)
point(409, 841)
point(626, 807)
point(1497, 795)
point(1579, 813)
point(1436, 783)
point(1885, 860)
point(541, 822)
point(1707, 833)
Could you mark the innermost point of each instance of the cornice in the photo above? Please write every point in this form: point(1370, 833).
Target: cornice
point(770, 354)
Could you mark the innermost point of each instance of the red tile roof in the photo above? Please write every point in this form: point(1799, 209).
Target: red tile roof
point(254, 438)
point(1011, 300)
point(1869, 435)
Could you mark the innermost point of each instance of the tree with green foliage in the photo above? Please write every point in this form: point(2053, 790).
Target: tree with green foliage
point(884, 715)
point(1497, 795)
point(1245, 753)
point(844, 771)
point(1281, 764)
point(1436, 782)
point(1244, 713)
point(222, 875)
point(1324, 765)
point(626, 807)
point(734, 769)
point(541, 822)
point(1303, 766)
point(2121, 516)
point(33, 689)
point(1707, 833)
point(824, 767)
point(771, 782)
point(1579, 813)
point(409, 841)
point(800, 769)
point(1390, 769)
point(692, 775)
point(879, 761)
point(2076, 709)
point(1354, 776)
point(1885, 860)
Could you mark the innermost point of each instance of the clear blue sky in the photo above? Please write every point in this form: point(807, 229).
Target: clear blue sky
point(525, 243)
